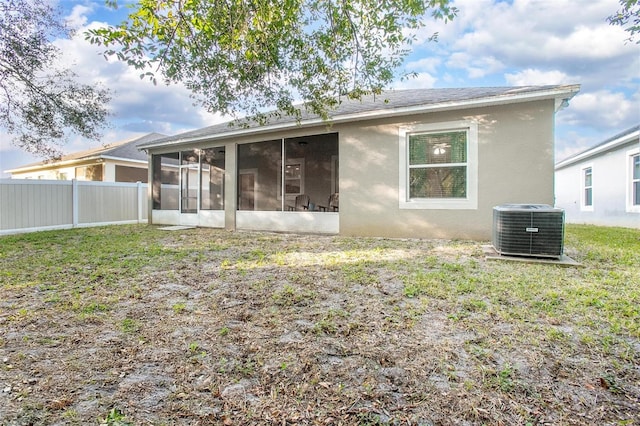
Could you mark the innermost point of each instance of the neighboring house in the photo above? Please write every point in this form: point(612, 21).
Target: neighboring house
point(601, 186)
point(116, 162)
point(426, 163)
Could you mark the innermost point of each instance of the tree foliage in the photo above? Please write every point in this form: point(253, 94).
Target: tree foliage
point(41, 102)
point(246, 55)
point(628, 16)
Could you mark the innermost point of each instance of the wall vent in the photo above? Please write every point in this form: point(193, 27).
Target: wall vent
point(535, 230)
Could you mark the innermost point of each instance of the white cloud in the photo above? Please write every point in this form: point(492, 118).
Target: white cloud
point(532, 77)
point(559, 34)
point(138, 107)
point(421, 81)
point(475, 67)
point(78, 16)
point(429, 65)
point(593, 42)
point(573, 143)
point(539, 42)
point(491, 42)
point(137, 103)
point(605, 109)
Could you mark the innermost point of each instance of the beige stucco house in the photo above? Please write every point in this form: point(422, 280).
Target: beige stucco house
point(426, 163)
point(115, 162)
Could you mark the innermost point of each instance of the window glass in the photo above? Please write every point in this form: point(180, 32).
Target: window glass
point(293, 178)
point(92, 173)
point(438, 165)
point(636, 180)
point(588, 184)
point(438, 182)
point(131, 174)
point(439, 148)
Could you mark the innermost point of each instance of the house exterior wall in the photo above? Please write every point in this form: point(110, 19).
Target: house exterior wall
point(59, 173)
point(515, 164)
point(68, 172)
point(611, 186)
point(110, 174)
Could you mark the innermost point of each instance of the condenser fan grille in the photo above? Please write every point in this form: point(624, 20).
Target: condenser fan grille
point(528, 230)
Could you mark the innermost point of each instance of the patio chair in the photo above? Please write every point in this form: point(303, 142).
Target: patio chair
point(332, 203)
point(302, 203)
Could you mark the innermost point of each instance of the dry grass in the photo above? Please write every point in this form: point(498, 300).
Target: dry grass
point(133, 325)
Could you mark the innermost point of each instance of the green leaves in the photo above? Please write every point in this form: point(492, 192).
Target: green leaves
point(628, 16)
point(39, 102)
point(245, 56)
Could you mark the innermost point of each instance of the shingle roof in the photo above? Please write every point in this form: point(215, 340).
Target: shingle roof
point(130, 149)
point(124, 149)
point(388, 103)
point(613, 142)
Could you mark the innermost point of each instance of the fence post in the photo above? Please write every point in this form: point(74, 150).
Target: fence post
point(74, 201)
point(138, 202)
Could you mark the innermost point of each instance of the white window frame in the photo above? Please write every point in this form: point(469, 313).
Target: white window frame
point(631, 208)
point(282, 174)
point(583, 188)
point(471, 200)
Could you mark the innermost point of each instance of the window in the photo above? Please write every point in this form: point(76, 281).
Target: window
point(131, 174)
point(587, 188)
point(439, 166)
point(92, 173)
point(293, 177)
point(636, 180)
point(633, 193)
point(293, 174)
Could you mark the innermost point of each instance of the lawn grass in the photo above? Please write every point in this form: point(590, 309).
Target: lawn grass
point(135, 325)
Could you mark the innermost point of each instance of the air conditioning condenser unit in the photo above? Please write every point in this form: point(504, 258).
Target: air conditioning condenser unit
point(535, 230)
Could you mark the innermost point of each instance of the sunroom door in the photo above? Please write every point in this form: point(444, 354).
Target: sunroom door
point(247, 189)
point(189, 181)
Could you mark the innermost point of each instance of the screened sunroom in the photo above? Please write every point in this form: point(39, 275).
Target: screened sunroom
point(288, 184)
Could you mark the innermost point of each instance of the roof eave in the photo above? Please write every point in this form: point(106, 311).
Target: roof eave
point(53, 164)
point(123, 159)
point(67, 163)
point(561, 95)
point(623, 140)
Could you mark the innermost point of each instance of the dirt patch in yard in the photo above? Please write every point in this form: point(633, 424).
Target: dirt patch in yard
point(209, 327)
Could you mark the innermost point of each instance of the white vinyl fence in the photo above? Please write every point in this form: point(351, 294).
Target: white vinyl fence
point(36, 205)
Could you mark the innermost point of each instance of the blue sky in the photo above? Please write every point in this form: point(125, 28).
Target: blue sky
point(490, 43)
